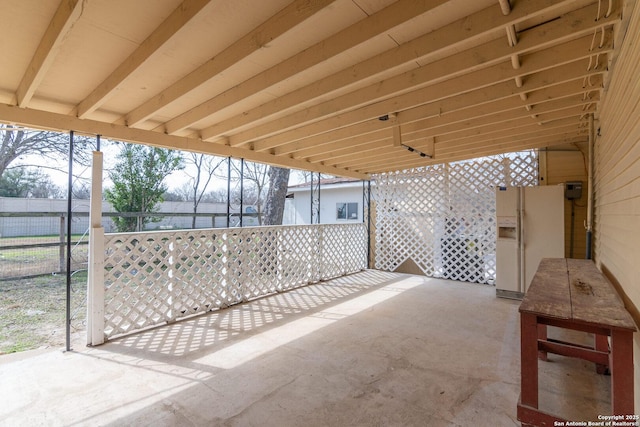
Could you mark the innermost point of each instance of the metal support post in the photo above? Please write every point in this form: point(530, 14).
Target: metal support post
point(228, 192)
point(241, 189)
point(69, 200)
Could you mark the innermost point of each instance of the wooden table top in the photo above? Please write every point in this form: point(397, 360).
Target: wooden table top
point(574, 289)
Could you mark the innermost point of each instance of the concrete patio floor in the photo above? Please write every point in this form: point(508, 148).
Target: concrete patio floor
point(369, 349)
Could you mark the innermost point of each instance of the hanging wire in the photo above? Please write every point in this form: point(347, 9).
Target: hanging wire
point(586, 82)
point(610, 9)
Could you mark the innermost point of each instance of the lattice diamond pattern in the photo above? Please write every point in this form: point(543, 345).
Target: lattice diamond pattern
point(158, 277)
point(443, 217)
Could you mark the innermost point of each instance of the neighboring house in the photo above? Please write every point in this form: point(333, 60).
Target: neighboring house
point(340, 202)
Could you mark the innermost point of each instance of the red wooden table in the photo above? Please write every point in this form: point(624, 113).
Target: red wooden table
point(573, 294)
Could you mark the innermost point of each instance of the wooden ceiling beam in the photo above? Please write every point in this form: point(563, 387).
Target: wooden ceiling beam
point(163, 33)
point(562, 126)
point(293, 14)
point(378, 157)
point(566, 130)
point(393, 15)
point(564, 80)
point(372, 128)
point(420, 130)
point(446, 148)
point(350, 151)
point(472, 122)
point(514, 127)
point(421, 48)
point(332, 149)
point(552, 85)
point(456, 109)
point(39, 119)
point(459, 71)
point(66, 15)
point(355, 157)
point(486, 150)
point(533, 63)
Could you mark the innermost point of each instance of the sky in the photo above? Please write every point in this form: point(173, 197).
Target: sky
point(57, 170)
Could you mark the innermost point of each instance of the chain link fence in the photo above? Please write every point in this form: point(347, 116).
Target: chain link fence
point(35, 243)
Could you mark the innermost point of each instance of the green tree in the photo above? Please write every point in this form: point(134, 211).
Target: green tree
point(27, 182)
point(138, 182)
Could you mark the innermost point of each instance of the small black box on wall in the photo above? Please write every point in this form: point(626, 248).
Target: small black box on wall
point(573, 190)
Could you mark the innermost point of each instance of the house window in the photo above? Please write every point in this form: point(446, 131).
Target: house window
point(347, 211)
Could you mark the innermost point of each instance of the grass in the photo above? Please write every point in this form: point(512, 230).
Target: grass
point(33, 312)
point(32, 261)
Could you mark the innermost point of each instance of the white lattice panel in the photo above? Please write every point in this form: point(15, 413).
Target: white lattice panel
point(443, 217)
point(158, 277)
point(337, 255)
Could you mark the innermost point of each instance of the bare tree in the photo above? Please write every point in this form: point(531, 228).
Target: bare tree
point(216, 196)
point(17, 143)
point(255, 182)
point(276, 197)
point(302, 175)
point(205, 168)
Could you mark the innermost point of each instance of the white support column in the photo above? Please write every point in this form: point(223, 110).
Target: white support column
point(95, 279)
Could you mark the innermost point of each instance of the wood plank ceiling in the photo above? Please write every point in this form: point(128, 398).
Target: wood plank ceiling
point(345, 87)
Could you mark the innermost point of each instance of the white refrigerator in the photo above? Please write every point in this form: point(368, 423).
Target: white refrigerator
point(530, 226)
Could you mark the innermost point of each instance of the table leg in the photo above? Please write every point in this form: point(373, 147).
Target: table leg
point(542, 335)
point(622, 372)
point(529, 359)
point(601, 344)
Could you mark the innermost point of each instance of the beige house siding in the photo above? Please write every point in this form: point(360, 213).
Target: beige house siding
point(562, 167)
point(617, 180)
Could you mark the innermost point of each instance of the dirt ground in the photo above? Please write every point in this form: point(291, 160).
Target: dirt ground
point(33, 312)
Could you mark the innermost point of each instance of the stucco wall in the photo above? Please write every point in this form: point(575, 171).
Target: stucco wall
point(329, 196)
point(617, 180)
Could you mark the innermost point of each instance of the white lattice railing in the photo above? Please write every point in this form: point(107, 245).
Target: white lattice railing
point(157, 277)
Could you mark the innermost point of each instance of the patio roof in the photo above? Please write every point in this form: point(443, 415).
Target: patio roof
point(344, 87)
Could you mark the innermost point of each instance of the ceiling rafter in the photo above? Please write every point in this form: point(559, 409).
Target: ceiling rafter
point(331, 150)
point(411, 160)
point(533, 143)
point(537, 62)
point(369, 27)
point(39, 119)
point(443, 150)
point(440, 128)
point(293, 14)
point(546, 86)
point(65, 16)
point(442, 39)
point(187, 10)
point(453, 78)
point(469, 71)
point(512, 128)
point(546, 131)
